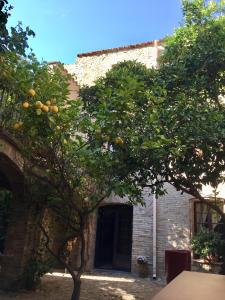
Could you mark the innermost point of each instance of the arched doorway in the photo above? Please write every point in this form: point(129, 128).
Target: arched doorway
point(13, 214)
point(114, 237)
point(17, 217)
point(5, 203)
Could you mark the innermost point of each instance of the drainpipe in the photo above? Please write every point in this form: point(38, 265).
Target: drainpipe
point(154, 199)
point(154, 238)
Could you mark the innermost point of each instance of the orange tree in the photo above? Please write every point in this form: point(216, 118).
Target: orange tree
point(59, 156)
point(68, 168)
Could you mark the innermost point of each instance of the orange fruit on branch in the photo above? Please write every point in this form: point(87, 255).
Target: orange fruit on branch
point(38, 104)
point(45, 108)
point(25, 104)
point(31, 93)
point(17, 125)
point(54, 108)
point(119, 141)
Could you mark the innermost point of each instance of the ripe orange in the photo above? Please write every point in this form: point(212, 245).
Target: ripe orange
point(54, 109)
point(17, 125)
point(38, 104)
point(31, 93)
point(25, 104)
point(119, 141)
point(45, 108)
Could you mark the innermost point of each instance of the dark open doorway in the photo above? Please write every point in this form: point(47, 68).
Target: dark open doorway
point(5, 201)
point(114, 237)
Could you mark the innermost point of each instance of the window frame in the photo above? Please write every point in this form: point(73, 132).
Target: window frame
point(197, 202)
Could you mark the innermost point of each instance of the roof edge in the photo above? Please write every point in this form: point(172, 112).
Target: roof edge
point(54, 62)
point(122, 48)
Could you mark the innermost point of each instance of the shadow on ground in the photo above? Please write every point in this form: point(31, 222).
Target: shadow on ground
point(96, 286)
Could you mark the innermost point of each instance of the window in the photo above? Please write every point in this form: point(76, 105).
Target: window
point(207, 218)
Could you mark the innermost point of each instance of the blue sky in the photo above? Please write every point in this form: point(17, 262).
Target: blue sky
point(65, 28)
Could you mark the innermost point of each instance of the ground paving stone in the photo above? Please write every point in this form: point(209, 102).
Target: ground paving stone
point(95, 286)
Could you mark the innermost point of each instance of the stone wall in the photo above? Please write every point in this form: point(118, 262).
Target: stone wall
point(20, 232)
point(89, 68)
point(73, 86)
point(9, 149)
point(22, 236)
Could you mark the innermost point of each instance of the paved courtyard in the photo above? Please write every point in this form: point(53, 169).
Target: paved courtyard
point(96, 286)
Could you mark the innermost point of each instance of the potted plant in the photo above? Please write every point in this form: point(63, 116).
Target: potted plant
point(209, 247)
point(143, 269)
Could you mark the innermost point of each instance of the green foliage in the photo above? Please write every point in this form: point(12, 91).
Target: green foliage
point(193, 60)
point(208, 245)
point(38, 264)
point(119, 104)
point(192, 115)
point(15, 39)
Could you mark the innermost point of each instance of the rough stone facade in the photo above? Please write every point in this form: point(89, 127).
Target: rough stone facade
point(89, 67)
point(73, 85)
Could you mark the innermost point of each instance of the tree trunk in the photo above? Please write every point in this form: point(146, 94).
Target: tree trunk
point(76, 290)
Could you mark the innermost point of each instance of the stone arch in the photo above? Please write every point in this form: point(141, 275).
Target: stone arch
point(10, 149)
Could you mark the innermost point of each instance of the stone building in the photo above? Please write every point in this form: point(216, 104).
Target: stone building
point(119, 234)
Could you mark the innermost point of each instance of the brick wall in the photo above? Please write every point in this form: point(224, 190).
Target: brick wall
point(21, 231)
point(173, 224)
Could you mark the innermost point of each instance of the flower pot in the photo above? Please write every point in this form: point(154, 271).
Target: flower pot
point(143, 270)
